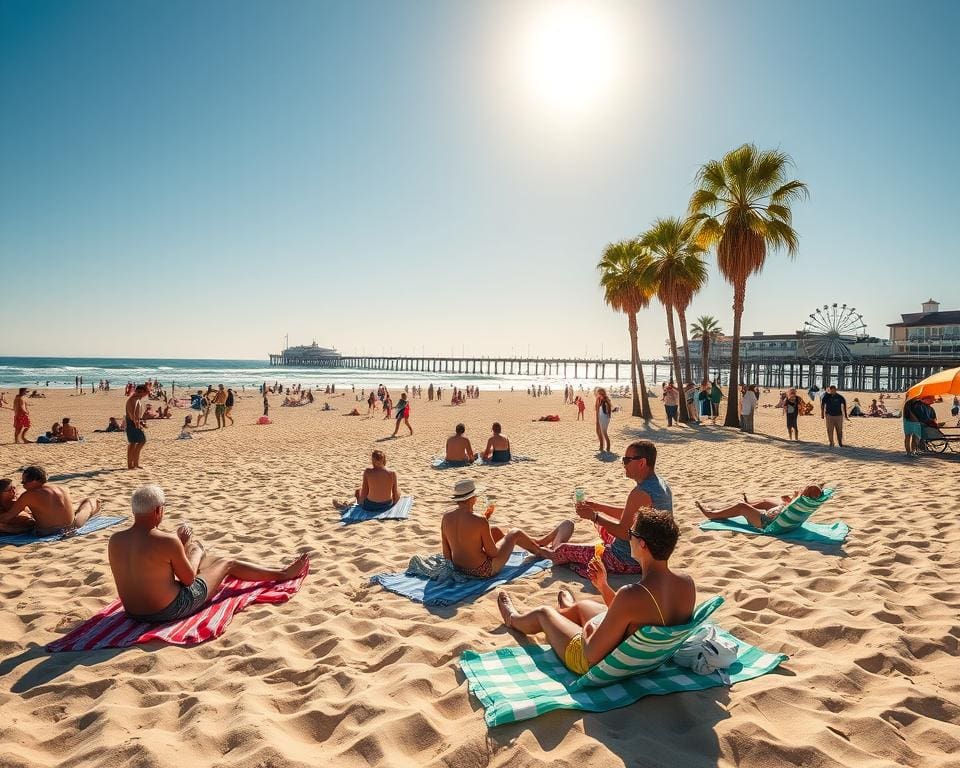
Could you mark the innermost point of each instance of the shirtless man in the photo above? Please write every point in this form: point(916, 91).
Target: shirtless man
point(163, 577)
point(21, 417)
point(220, 411)
point(136, 437)
point(378, 491)
point(42, 509)
point(498, 447)
point(68, 432)
point(459, 453)
point(476, 548)
point(761, 512)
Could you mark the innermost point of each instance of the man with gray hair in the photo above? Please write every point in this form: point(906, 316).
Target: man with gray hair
point(163, 577)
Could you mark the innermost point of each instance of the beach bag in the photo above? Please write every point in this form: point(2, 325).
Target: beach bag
point(705, 651)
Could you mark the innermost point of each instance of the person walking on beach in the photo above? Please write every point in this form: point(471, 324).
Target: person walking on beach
point(706, 405)
point(716, 395)
point(748, 406)
point(833, 409)
point(613, 521)
point(403, 414)
point(136, 437)
point(791, 407)
point(231, 397)
point(581, 408)
point(220, 403)
point(604, 408)
point(21, 417)
point(671, 402)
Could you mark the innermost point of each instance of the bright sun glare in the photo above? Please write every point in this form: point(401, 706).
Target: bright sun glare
point(569, 56)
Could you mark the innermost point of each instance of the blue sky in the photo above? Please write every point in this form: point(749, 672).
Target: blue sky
point(198, 179)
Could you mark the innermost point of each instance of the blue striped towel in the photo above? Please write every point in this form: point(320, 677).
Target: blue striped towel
point(357, 514)
point(93, 524)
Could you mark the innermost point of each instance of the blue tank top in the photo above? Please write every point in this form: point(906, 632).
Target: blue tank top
point(661, 497)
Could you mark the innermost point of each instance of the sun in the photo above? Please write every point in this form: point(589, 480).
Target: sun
point(569, 56)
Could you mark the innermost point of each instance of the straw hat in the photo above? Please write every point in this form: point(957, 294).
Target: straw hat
point(465, 489)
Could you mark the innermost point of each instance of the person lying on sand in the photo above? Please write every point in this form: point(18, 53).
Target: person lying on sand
point(43, 509)
point(498, 447)
point(163, 577)
point(582, 633)
point(378, 491)
point(459, 452)
point(476, 548)
point(759, 513)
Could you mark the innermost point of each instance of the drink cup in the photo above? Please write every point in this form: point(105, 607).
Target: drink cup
point(579, 495)
point(598, 550)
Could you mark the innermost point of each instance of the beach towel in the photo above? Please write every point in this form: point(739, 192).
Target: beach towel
point(439, 463)
point(97, 523)
point(513, 460)
point(429, 592)
point(790, 523)
point(112, 628)
point(521, 683)
point(357, 514)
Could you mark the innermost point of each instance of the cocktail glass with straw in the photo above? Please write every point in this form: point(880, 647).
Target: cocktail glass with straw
point(487, 505)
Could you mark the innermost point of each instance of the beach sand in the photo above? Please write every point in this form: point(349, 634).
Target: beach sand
point(346, 674)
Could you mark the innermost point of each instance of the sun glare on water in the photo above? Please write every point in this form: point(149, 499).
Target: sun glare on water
point(569, 56)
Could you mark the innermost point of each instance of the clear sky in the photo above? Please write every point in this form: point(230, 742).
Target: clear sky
point(196, 179)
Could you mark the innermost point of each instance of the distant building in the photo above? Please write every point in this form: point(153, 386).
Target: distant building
point(928, 332)
point(785, 346)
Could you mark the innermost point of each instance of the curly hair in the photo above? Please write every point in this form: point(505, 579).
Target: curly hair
point(34, 473)
point(658, 530)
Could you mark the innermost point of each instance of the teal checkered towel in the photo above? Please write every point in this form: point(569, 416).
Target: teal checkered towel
point(520, 683)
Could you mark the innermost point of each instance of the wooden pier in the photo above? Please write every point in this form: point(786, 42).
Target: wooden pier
point(891, 374)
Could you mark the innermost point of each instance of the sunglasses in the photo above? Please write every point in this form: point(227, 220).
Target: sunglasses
point(628, 459)
point(634, 534)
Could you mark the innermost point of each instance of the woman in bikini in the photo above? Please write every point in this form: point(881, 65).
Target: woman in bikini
point(604, 408)
point(761, 512)
point(582, 633)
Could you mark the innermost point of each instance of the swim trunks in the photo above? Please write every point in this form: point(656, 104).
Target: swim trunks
point(482, 571)
point(770, 515)
point(135, 435)
point(188, 601)
point(21, 421)
point(574, 657)
point(456, 463)
point(501, 456)
point(220, 410)
point(912, 428)
point(376, 506)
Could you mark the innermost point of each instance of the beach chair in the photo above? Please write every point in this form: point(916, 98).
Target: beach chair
point(935, 440)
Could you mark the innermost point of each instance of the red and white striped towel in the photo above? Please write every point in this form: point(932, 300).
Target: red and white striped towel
point(112, 628)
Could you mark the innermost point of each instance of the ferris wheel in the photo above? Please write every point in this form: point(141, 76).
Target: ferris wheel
point(829, 330)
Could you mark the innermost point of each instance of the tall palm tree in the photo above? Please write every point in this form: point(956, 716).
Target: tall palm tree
point(706, 330)
point(626, 279)
point(742, 206)
point(680, 272)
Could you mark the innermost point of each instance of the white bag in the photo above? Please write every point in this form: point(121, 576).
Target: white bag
point(705, 652)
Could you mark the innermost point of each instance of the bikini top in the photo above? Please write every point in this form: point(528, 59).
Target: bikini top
point(662, 620)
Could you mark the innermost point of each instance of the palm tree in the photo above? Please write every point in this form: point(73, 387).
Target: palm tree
point(742, 206)
point(680, 272)
point(706, 330)
point(626, 279)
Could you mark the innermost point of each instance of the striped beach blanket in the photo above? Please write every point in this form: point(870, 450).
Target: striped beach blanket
point(357, 514)
point(524, 682)
point(112, 628)
point(97, 523)
point(423, 590)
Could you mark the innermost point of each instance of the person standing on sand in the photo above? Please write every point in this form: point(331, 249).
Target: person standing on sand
point(833, 409)
point(231, 397)
point(403, 414)
point(164, 577)
point(748, 406)
point(716, 395)
point(791, 407)
point(21, 417)
point(136, 437)
point(603, 408)
point(220, 406)
point(671, 403)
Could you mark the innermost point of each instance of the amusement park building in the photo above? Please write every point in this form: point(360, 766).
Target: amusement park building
point(928, 332)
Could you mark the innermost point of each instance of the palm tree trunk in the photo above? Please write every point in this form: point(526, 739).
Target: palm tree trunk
point(733, 394)
point(632, 326)
point(682, 317)
point(684, 415)
point(705, 354)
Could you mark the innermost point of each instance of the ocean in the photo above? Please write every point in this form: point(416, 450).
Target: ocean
point(61, 372)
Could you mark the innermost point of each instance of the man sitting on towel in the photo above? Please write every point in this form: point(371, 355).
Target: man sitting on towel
point(498, 447)
point(762, 512)
point(479, 550)
point(42, 509)
point(459, 452)
point(378, 491)
point(164, 577)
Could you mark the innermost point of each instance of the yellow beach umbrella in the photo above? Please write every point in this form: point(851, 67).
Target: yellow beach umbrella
point(943, 383)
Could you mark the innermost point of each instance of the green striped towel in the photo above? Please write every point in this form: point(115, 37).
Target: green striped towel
point(790, 523)
point(523, 682)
